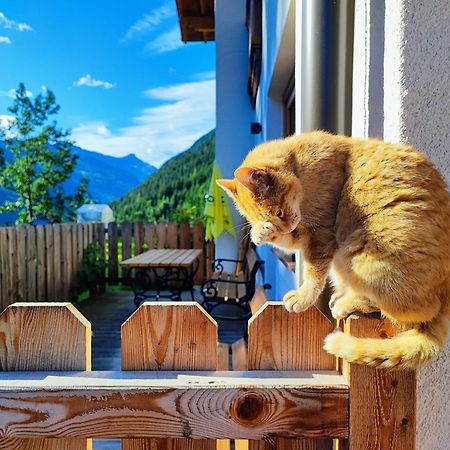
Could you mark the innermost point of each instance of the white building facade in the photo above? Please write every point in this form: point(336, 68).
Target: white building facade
point(398, 89)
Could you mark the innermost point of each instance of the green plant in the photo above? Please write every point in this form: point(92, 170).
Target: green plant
point(92, 268)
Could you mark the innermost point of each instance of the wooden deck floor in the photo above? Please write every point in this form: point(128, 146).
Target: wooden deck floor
point(107, 312)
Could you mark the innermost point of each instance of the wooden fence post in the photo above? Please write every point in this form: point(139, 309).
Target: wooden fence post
point(382, 404)
point(279, 340)
point(169, 336)
point(127, 230)
point(44, 336)
point(113, 256)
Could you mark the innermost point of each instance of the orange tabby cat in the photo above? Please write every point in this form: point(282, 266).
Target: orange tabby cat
point(373, 215)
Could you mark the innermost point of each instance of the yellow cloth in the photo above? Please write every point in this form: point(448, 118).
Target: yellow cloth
point(217, 212)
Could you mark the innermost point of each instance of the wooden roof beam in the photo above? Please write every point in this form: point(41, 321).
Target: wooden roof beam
point(198, 23)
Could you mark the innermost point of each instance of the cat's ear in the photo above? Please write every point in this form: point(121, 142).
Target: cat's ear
point(229, 186)
point(253, 178)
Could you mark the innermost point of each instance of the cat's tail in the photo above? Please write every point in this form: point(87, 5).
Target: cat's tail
point(408, 350)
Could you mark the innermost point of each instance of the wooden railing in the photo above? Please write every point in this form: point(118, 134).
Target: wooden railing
point(169, 394)
point(42, 262)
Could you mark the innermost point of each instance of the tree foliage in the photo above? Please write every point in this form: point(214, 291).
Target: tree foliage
point(176, 191)
point(41, 161)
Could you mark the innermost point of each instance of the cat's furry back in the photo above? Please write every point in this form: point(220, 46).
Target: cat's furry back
point(373, 215)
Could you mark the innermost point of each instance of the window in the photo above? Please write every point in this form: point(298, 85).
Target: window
point(289, 108)
point(254, 26)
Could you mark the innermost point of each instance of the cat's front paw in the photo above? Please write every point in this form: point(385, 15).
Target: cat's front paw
point(343, 306)
point(261, 232)
point(298, 300)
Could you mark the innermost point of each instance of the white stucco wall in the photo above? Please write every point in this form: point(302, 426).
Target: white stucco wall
point(278, 65)
point(401, 92)
point(233, 110)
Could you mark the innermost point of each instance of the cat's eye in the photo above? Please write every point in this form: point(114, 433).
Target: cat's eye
point(280, 214)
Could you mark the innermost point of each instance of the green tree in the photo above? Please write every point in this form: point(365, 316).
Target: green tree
point(41, 160)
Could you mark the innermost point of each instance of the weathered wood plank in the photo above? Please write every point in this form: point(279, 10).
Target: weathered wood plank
point(127, 229)
point(138, 237)
point(57, 256)
point(12, 263)
point(172, 235)
point(75, 265)
point(50, 269)
point(4, 268)
point(383, 404)
point(21, 259)
point(169, 336)
point(262, 405)
point(185, 235)
point(66, 261)
point(279, 340)
point(113, 256)
point(100, 238)
point(161, 235)
point(149, 235)
point(43, 336)
point(210, 255)
point(31, 294)
point(41, 264)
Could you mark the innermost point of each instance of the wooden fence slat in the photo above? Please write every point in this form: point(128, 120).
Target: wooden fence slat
point(383, 404)
point(60, 339)
point(75, 266)
point(210, 255)
point(50, 269)
point(149, 235)
point(85, 235)
point(67, 261)
point(161, 233)
point(100, 238)
point(21, 267)
point(198, 242)
point(31, 294)
point(185, 235)
point(279, 340)
point(169, 336)
point(113, 256)
point(12, 263)
point(127, 230)
point(41, 264)
point(172, 235)
point(138, 237)
point(57, 253)
point(4, 268)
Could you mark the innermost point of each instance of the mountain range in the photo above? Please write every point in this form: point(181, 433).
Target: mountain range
point(109, 177)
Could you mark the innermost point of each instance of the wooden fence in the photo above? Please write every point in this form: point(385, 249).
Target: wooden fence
point(41, 263)
point(168, 395)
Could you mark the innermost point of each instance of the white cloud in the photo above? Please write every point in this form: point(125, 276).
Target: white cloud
point(185, 112)
point(166, 42)
point(5, 40)
point(11, 93)
point(210, 75)
point(88, 81)
point(5, 123)
point(10, 24)
point(150, 21)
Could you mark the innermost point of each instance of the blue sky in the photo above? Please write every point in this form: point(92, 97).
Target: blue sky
point(125, 81)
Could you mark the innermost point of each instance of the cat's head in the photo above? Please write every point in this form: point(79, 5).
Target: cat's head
point(266, 195)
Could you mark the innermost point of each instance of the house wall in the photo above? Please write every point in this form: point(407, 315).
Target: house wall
point(278, 65)
point(401, 85)
point(233, 110)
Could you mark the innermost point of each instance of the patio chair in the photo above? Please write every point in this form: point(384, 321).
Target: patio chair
point(227, 295)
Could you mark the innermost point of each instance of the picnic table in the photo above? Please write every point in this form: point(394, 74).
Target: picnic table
point(164, 273)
